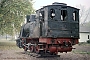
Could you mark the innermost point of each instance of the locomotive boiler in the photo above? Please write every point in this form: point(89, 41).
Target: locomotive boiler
point(54, 28)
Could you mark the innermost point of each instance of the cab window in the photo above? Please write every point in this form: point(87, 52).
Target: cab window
point(63, 14)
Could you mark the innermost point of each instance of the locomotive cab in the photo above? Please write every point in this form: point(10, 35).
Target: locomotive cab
point(58, 20)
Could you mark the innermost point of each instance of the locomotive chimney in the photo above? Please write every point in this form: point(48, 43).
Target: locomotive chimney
point(28, 18)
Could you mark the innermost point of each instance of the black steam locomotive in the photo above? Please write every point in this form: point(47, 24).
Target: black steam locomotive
point(54, 28)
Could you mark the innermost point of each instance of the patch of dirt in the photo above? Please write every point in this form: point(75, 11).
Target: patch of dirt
point(0, 54)
point(73, 56)
point(19, 54)
point(12, 55)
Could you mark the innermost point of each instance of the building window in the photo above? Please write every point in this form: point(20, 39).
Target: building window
point(63, 15)
point(88, 36)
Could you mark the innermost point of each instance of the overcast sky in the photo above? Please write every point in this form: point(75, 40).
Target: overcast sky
point(73, 3)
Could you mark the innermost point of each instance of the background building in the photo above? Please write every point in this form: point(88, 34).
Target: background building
point(84, 33)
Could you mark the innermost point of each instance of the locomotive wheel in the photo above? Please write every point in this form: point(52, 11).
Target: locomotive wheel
point(37, 50)
point(25, 48)
point(32, 49)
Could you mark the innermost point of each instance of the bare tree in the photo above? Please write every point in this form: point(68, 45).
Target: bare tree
point(83, 14)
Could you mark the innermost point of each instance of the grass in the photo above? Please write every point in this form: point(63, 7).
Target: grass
point(84, 43)
point(81, 52)
point(7, 45)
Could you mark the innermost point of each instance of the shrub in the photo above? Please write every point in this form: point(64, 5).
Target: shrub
point(88, 41)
